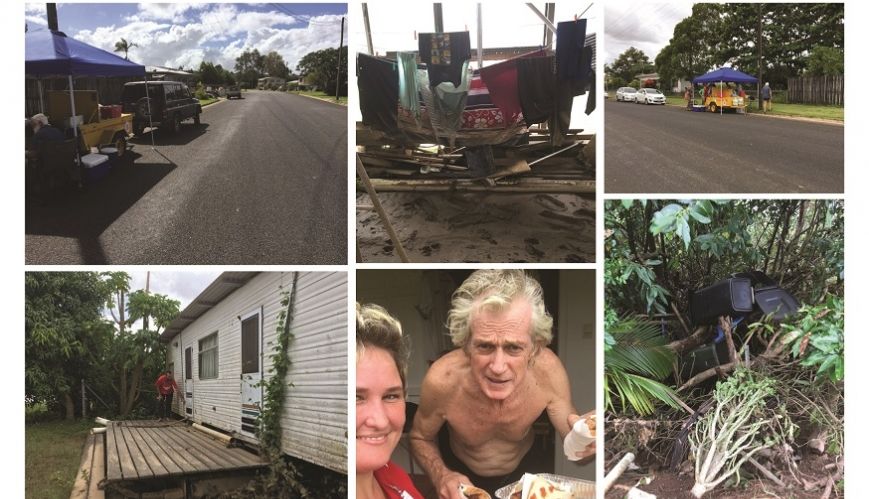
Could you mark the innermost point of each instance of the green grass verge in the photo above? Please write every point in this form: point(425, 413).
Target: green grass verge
point(321, 95)
point(52, 454)
point(205, 102)
point(836, 113)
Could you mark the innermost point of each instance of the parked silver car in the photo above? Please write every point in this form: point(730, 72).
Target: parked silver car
point(650, 96)
point(626, 94)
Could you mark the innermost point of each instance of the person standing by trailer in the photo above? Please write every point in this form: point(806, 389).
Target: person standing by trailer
point(766, 95)
point(166, 388)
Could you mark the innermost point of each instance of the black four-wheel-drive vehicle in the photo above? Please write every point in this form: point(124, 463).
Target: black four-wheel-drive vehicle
point(170, 104)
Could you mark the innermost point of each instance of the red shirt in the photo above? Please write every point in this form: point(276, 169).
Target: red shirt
point(165, 385)
point(395, 482)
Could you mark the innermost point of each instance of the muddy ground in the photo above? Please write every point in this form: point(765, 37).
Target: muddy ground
point(667, 484)
point(480, 227)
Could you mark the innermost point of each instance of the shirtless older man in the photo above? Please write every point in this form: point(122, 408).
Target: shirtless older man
point(492, 388)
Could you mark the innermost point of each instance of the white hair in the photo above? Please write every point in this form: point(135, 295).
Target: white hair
point(40, 118)
point(495, 290)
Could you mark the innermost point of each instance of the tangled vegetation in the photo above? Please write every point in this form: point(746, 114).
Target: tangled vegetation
point(671, 385)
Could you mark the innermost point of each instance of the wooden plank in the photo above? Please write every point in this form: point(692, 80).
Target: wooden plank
point(169, 444)
point(83, 473)
point(98, 470)
point(193, 450)
point(132, 464)
point(152, 460)
point(113, 463)
point(167, 465)
point(232, 458)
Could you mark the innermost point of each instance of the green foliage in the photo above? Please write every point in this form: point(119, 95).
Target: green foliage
point(320, 68)
point(36, 412)
point(718, 34)
point(817, 337)
point(673, 218)
point(627, 65)
point(65, 334)
point(826, 61)
point(740, 424)
point(283, 474)
point(637, 359)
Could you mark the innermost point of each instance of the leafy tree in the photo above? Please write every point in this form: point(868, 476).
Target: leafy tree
point(321, 69)
point(274, 65)
point(826, 61)
point(124, 46)
point(136, 356)
point(249, 67)
point(65, 334)
point(628, 64)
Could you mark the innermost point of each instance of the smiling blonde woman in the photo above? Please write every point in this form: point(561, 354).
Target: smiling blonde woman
point(381, 364)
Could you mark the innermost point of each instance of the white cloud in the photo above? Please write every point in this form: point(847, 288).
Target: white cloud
point(165, 11)
point(34, 13)
point(217, 33)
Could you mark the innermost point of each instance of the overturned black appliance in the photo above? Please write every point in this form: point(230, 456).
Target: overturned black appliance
point(739, 295)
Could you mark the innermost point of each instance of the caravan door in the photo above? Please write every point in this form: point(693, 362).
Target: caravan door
point(188, 381)
point(251, 371)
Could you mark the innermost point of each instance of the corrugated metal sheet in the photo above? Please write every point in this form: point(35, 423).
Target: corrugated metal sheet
point(315, 411)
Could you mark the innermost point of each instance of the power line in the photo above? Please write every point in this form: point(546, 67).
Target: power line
point(305, 17)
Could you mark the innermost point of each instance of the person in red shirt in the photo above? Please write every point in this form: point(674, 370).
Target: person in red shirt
point(166, 388)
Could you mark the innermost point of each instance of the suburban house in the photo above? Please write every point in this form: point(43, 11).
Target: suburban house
point(270, 82)
point(221, 347)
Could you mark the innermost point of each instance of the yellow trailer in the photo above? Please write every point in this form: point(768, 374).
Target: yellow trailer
point(108, 131)
point(724, 98)
point(94, 130)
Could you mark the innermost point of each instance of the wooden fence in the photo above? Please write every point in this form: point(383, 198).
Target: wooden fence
point(826, 90)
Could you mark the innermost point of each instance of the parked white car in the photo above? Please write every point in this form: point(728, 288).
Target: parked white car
point(626, 94)
point(650, 96)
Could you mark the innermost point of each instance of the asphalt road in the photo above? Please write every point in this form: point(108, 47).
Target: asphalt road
point(666, 149)
point(263, 180)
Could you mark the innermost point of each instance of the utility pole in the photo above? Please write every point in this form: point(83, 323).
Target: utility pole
point(760, 54)
point(479, 35)
point(340, 47)
point(147, 290)
point(51, 12)
point(367, 28)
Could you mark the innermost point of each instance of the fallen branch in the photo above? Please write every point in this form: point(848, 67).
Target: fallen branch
point(767, 473)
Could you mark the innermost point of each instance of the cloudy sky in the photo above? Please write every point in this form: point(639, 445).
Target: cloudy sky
point(646, 26)
point(182, 34)
point(183, 286)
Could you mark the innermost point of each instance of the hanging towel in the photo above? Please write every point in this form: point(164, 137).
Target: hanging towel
point(502, 81)
point(444, 54)
point(537, 89)
point(408, 89)
point(569, 54)
point(378, 92)
point(449, 102)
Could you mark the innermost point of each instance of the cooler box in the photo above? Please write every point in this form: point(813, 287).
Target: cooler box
point(96, 166)
point(733, 297)
point(112, 153)
point(113, 111)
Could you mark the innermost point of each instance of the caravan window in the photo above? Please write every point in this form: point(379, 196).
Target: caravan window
point(208, 358)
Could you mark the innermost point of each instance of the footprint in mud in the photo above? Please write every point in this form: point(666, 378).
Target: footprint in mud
point(388, 249)
point(487, 236)
point(571, 258)
point(549, 202)
point(529, 247)
point(428, 249)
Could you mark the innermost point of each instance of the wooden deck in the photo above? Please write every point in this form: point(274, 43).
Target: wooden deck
point(144, 450)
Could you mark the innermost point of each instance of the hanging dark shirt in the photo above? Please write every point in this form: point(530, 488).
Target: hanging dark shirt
point(378, 92)
point(569, 53)
point(444, 54)
point(537, 89)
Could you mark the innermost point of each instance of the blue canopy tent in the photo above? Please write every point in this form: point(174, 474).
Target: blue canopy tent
point(52, 53)
point(722, 75)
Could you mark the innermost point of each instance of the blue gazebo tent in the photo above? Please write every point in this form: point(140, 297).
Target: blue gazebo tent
point(52, 53)
point(728, 75)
